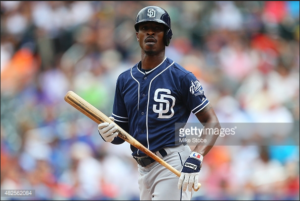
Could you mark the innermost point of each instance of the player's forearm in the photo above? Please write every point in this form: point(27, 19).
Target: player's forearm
point(208, 138)
point(211, 123)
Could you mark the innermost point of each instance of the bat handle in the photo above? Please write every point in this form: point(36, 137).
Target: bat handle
point(196, 189)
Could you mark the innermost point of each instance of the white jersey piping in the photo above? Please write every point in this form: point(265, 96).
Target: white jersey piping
point(138, 89)
point(149, 98)
point(119, 116)
point(198, 105)
point(152, 69)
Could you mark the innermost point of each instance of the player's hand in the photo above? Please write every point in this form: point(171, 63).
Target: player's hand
point(190, 172)
point(108, 130)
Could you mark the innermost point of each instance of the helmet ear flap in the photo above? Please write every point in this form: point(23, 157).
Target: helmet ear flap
point(167, 37)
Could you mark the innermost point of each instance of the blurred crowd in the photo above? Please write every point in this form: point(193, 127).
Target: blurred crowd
point(244, 53)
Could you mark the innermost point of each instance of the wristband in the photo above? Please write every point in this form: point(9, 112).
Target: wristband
point(196, 156)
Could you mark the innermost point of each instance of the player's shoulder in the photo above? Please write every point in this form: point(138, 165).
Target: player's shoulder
point(125, 77)
point(178, 70)
point(124, 74)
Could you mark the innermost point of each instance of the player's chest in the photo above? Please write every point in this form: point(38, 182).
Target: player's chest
point(156, 95)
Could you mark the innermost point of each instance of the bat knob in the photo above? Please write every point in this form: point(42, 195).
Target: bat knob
point(196, 189)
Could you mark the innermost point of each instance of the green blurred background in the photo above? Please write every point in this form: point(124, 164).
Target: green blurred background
point(245, 54)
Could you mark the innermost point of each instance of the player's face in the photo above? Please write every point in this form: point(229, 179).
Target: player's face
point(150, 37)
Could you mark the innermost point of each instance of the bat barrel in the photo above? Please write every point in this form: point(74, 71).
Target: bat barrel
point(86, 108)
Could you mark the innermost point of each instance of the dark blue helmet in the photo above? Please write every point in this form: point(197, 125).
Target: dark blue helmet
point(155, 14)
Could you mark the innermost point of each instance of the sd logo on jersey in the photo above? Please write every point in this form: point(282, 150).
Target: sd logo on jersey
point(196, 88)
point(163, 103)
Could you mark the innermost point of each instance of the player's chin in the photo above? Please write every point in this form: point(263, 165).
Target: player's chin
point(149, 47)
point(150, 52)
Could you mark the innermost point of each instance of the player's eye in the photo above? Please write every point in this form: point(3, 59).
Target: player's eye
point(158, 28)
point(144, 28)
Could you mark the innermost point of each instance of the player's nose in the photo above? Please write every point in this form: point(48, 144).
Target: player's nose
point(150, 32)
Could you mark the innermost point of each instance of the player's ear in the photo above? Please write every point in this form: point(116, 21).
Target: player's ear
point(137, 36)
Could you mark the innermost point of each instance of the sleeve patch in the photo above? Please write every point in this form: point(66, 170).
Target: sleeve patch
point(196, 89)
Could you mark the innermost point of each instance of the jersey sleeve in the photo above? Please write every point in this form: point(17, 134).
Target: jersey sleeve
point(193, 93)
point(119, 112)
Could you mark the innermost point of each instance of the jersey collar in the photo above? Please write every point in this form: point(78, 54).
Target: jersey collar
point(148, 72)
point(139, 75)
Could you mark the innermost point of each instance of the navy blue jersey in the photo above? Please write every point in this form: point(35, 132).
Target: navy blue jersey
point(148, 104)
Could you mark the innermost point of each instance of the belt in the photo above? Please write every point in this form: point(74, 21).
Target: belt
point(146, 160)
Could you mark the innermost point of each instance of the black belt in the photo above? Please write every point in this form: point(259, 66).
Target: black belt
point(146, 160)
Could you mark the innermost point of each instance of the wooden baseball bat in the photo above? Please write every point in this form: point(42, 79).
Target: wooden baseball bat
point(98, 117)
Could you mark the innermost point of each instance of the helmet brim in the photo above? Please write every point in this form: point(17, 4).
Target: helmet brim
point(150, 20)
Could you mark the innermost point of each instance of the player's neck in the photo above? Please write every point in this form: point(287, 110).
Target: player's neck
point(151, 61)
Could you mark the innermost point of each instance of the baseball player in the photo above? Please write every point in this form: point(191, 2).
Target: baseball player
point(150, 98)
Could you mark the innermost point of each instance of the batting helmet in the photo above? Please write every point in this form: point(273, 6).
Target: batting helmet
point(155, 14)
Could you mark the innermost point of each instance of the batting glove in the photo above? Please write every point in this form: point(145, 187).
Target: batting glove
point(108, 130)
point(190, 172)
